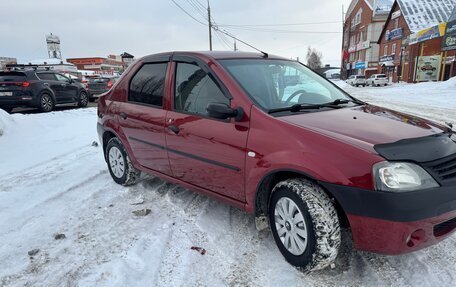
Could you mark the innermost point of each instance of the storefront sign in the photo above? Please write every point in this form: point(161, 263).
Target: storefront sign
point(396, 14)
point(428, 68)
point(360, 65)
point(395, 34)
point(386, 59)
point(428, 34)
point(352, 49)
point(363, 46)
point(449, 41)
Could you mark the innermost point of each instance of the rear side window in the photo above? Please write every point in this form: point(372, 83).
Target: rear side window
point(147, 86)
point(12, 77)
point(46, 76)
point(195, 89)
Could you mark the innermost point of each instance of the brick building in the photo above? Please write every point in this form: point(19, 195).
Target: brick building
point(111, 65)
point(411, 40)
point(363, 24)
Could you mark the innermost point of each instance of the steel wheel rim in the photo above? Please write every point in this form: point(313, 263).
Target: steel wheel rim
point(46, 103)
point(116, 162)
point(84, 99)
point(290, 225)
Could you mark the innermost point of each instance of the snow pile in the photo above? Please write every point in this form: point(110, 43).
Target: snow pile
point(450, 84)
point(433, 100)
point(35, 138)
point(6, 122)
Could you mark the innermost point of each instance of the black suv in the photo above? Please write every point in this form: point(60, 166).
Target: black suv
point(39, 89)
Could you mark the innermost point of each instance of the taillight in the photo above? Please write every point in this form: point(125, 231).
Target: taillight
point(109, 85)
point(25, 84)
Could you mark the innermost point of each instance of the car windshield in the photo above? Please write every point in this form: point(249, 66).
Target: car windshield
point(361, 77)
point(275, 84)
point(381, 76)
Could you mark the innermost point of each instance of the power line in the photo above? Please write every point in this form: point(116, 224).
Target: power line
point(185, 11)
point(198, 9)
point(282, 31)
point(273, 25)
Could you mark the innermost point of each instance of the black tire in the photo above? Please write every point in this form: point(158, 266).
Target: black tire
point(128, 174)
point(321, 224)
point(46, 103)
point(83, 100)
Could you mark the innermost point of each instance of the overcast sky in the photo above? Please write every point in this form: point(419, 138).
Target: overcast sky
point(100, 27)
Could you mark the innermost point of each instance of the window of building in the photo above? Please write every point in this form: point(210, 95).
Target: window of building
point(396, 23)
point(361, 38)
point(393, 49)
point(357, 19)
point(195, 89)
point(385, 50)
point(147, 85)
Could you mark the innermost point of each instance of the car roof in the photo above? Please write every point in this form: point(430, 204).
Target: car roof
point(218, 55)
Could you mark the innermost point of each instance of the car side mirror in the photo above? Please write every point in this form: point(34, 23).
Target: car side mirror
point(223, 111)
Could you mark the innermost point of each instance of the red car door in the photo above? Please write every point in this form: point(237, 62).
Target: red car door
point(203, 151)
point(142, 117)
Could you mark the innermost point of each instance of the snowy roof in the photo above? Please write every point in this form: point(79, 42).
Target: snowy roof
point(383, 6)
point(50, 61)
point(453, 15)
point(422, 14)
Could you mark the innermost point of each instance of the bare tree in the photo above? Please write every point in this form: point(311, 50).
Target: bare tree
point(313, 58)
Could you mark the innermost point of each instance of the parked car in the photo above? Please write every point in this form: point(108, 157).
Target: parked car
point(99, 85)
point(357, 81)
point(427, 67)
point(39, 89)
point(377, 80)
point(225, 124)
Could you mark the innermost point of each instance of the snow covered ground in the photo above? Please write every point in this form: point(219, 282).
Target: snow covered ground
point(54, 181)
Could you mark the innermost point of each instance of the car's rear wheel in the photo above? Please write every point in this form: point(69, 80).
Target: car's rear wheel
point(83, 100)
point(119, 164)
point(46, 103)
point(304, 224)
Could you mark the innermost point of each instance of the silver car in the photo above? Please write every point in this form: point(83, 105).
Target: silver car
point(357, 81)
point(378, 80)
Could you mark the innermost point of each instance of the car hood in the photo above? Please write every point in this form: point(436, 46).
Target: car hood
point(366, 126)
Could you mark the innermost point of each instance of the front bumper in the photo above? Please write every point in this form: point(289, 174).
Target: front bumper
point(396, 223)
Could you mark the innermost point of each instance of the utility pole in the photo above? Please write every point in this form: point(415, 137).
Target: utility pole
point(235, 48)
point(210, 25)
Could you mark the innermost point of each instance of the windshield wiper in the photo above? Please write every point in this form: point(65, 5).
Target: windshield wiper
point(299, 107)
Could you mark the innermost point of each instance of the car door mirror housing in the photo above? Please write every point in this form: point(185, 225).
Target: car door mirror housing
point(223, 111)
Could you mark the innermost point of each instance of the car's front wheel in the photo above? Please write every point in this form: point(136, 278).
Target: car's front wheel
point(46, 103)
point(304, 224)
point(83, 100)
point(119, 164)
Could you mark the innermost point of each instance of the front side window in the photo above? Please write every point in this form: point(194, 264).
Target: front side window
point(61, 78)
point(147, 86)
point(195, 89)
point(47, 76)
point(275, 84)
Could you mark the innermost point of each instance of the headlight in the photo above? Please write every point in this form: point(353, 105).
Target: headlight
point(401, 176)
